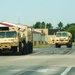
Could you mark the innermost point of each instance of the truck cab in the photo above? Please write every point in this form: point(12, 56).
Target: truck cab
point(63, 38)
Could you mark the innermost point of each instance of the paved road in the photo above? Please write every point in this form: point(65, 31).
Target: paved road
point(48, 61)
point(52, 50)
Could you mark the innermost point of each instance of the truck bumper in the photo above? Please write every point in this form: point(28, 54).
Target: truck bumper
point(7, 45)
point(62, 42)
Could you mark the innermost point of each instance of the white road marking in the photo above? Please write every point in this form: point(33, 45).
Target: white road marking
point(17, 70)
point(36, 53)
point(39, 70)
point(42, 70)
point(51, 71)
point(66, 71)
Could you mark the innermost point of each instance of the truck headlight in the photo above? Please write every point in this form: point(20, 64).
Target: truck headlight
point(15, 40)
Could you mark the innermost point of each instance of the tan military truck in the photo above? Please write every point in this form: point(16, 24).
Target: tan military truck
point(63, 38)
point(17, 40)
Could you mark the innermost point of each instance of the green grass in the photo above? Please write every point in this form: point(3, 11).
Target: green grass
point(73, 42)
point(41, 46)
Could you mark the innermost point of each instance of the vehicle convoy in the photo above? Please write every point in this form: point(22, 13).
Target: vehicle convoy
point(63, 38)
point(16, 39)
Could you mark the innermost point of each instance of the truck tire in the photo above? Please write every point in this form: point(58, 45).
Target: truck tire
point(0, 52)
point(28, 51)
point(69, 45)
point(14, 49)
point(24, 50)
point(31, 47)
point(57, 45)
point(20, 47)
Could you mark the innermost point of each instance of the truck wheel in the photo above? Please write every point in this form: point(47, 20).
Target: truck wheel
point(20, 47)
point(59, 46)
point(25, 48)
point(14, 50)
point(56, 45)
point(30, 44)
point(69, 45)
point(0, 52)
point(31, 47)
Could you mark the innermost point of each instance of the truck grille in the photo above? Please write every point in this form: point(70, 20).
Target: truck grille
point(5, 43)
point(61, 40)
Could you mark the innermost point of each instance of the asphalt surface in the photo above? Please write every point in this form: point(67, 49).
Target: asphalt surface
point(43, 61)
point(52, 50)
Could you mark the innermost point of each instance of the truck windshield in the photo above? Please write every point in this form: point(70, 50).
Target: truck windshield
point(11, 34)
point(61, 34)
point(64, 34)
point(58, 34)
point(2, 34)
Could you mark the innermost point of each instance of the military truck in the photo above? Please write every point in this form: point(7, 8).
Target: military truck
point(63, 38)
point(16, 39)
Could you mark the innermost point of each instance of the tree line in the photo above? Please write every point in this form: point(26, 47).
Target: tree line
point(69, 27)
point(42, 25)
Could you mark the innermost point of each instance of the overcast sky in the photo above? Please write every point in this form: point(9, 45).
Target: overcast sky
point(31, 11)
